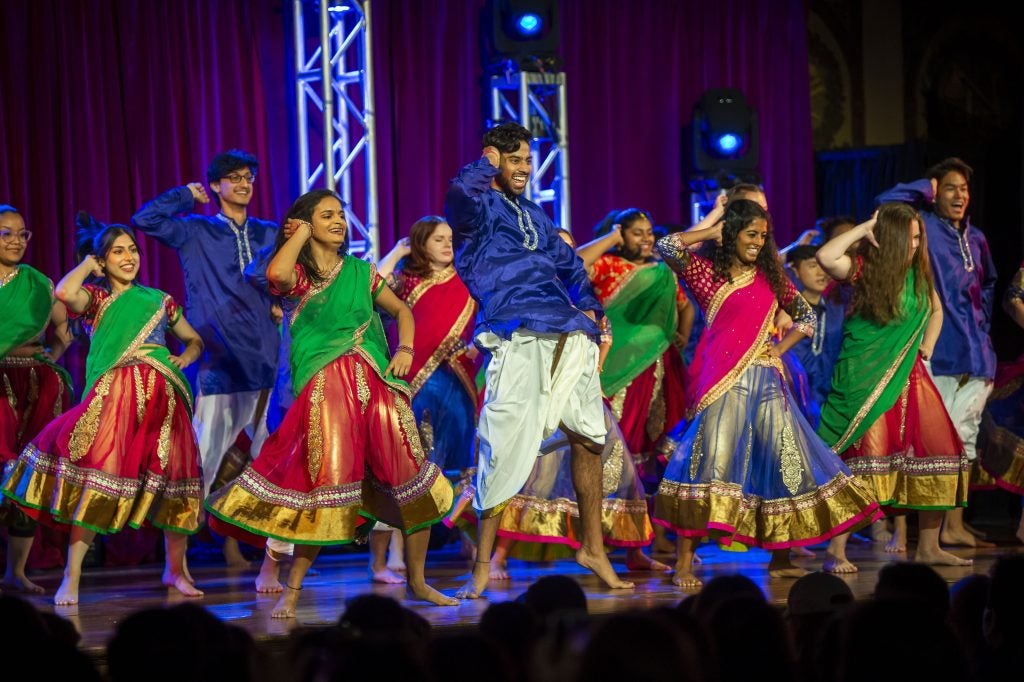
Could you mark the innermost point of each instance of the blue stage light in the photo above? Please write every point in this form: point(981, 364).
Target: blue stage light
point(728, 143)
point(529, 24)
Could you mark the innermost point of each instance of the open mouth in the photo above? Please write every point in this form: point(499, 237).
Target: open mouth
point(338, 231)
point(519, 180)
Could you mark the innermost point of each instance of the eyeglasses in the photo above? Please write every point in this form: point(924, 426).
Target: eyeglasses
point(8, 236)
point(236, 178)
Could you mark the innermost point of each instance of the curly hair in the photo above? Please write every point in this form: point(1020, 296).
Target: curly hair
point(505, 137)
point(738, 216)
point(878, 289)
point(303, 209)
point(417, 263)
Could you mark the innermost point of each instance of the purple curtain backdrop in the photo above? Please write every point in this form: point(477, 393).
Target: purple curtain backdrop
point(105, 103)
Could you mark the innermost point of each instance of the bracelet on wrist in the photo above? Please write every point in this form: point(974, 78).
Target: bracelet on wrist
point(407, 349)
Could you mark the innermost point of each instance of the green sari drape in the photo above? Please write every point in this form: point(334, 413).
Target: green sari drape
point(873, 367)
point(120, 329)
point(26, 302)
point(330, 318)
point(643, 315)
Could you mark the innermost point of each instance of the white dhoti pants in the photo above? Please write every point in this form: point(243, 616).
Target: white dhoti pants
point(531, 393)
point(218, 419)
point(965, 401)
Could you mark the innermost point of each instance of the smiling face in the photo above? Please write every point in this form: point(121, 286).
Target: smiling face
point(12, 239)
point(638, 240)
point(750, 240)
point(438, 247)
point(121, 261)
point(329, 224)
point(514, 170)
point(952, 197)
point(915, 239)
point(235, 188)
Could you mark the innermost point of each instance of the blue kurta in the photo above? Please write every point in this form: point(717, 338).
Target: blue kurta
point(233, 318)
point(509, 254)
point(965, 279)
point(818, 353)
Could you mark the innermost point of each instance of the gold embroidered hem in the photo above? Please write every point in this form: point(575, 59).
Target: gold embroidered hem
point(722, 509)
point(99, 501)
point(624, 523)
point(1002, 455)
point(914, 483)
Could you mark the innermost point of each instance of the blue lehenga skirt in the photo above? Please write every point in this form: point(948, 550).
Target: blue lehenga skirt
point(446, 416)
point(750, 468)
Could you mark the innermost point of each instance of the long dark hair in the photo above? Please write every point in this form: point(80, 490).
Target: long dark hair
point(93, 238)
point(624, 219)
point(302, 210)
point(879, 288)
point(739, 214)
point(417, 263)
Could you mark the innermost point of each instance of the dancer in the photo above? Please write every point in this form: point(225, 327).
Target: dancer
point(348, 445)
point(239, 367)
point(749, 467)
point(537, 320)
point(964, 363)
point(36, 388)
point(884, 415)
point(127, 453)
point(1001, 441)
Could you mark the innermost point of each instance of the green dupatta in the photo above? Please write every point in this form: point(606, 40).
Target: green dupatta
point(330, 318)
point(873, 367)
point(26, 302)
point(642, 312)
point(119, 331)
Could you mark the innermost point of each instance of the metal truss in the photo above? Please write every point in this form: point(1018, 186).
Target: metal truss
point(335, 110)
point(537, 101)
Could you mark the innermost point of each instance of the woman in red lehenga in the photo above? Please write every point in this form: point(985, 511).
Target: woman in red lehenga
point(127, 454)
point(33, 388)
point(348, 447)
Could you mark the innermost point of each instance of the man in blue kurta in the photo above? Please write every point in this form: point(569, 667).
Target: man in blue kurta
point(537, 321)
point(235, 320)
point(963, 364)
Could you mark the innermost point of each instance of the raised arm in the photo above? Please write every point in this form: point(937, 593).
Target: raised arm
point(591, 251)
point(281, 269)
point(69, 290)
point(463, 205)
point(386, 265)
point(160, 217)
point(918, 193)
point(833, 257)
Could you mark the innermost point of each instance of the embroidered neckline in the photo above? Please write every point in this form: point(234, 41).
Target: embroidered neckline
point(6, 279)
point(964, 243)
point(530, 237)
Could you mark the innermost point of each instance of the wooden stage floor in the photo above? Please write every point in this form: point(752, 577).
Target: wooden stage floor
point(109, 595)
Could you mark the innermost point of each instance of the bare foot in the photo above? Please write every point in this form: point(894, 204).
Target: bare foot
point(782, 567)
point(477, 583)
point(268, 581)
point(896, 545)
point(962, 538)
point(396, 565)
point(285, 606)
point(600, 566)
point(499, 571)
point(687, 580)
point(19, 582)
point(386, 576)
point(834, 564)
point(67, 593)
point(425, 592)
point(638, 561)
point(801, 552)
point(940, 557)
point(233, 556)
point(880, 532)
point(181, 584)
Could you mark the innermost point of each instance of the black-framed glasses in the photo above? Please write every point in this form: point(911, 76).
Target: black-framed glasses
point(8, 236)
point(237, 178)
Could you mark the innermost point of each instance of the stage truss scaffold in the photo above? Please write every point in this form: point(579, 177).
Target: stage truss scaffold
point(537, 101)
point(335, 110)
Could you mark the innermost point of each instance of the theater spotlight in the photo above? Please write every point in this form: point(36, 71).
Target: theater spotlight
point(524, 32)
point(724, 132)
